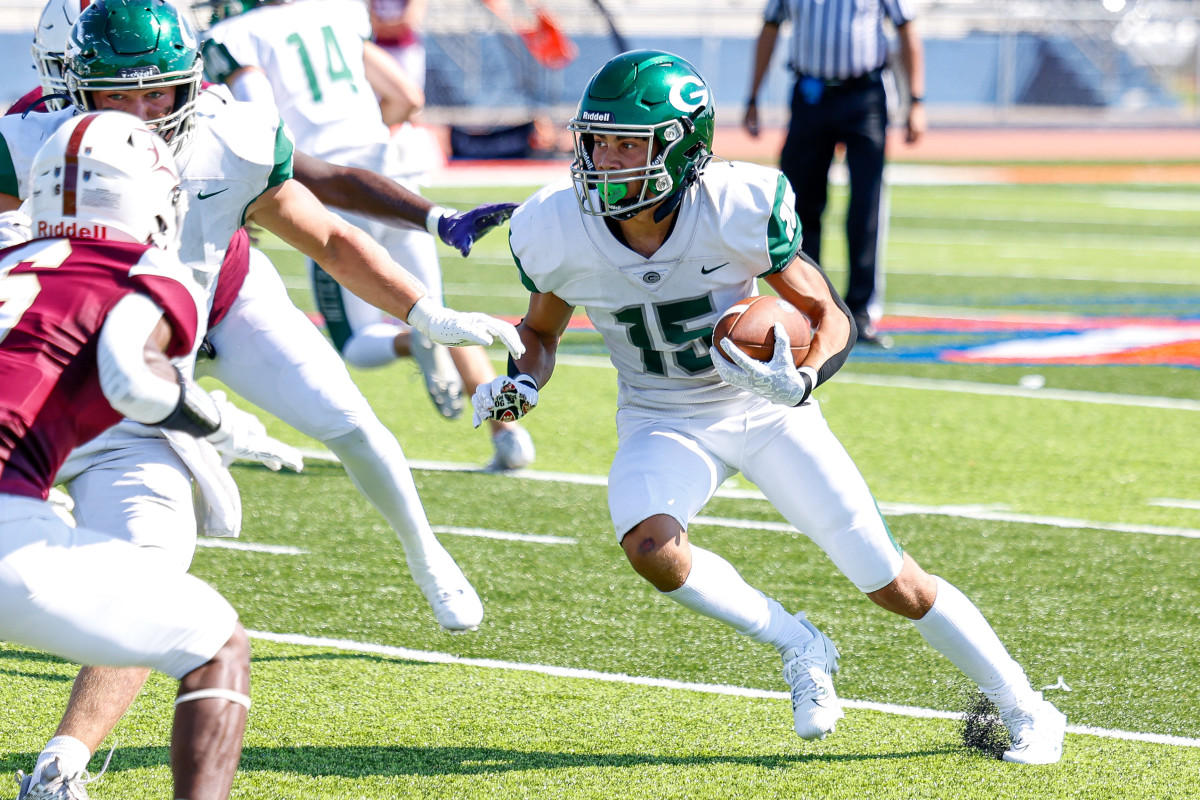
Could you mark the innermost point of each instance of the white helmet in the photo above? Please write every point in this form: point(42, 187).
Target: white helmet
point(49, 44)
point(106, 175)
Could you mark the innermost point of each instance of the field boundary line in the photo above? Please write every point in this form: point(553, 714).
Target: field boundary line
point(980, 512)
point(433, 657)
point(970, 387)
point(222, 543)
point(1065, 395)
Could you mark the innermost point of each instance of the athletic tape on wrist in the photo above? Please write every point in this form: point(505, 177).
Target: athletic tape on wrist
point(195, 414)
point(515, 373)
point(434, 217)
point(811, 375)
point(221, 694)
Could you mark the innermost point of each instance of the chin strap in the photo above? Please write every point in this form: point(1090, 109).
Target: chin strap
point(44, 99)
point(672, 201)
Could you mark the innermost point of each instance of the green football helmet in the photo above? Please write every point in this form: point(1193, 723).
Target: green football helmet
point(136, 44)
point(647, 94)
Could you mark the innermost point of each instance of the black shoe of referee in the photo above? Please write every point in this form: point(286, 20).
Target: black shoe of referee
point(869, 335)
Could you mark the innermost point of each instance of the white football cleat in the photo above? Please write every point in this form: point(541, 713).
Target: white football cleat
point(514, 449)
point(454, 601)
point(1037, 729)
point(53, 786)
point(807, 669)
point(442, 381)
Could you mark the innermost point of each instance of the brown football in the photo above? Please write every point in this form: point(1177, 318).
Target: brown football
point(750, 323)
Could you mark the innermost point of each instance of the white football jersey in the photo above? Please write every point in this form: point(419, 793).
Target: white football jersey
point(237, 152)
point(737, 223)
point(21, 136)
point(312, 53)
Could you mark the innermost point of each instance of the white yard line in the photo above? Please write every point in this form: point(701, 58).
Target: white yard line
point(999, 389)
point(233, 544)
point(431, 657)
point(982, 512)
point(970, 387)
point(484, 533)
point(1168, 502)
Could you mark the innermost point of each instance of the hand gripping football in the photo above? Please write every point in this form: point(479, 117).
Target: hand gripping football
point(750, 324)
point(508, 404)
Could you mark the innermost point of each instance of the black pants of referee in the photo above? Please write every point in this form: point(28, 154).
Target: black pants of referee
point(853, 113)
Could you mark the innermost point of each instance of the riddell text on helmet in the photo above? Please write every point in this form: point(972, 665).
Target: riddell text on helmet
point(74, 230)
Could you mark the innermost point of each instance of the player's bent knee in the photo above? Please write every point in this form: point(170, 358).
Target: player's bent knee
point(226, 675)
point(910, 595)
point(658, 553)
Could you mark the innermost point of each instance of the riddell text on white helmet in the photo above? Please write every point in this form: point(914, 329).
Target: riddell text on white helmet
point(73, 230)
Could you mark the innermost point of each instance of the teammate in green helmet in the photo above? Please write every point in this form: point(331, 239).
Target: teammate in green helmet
point(121, 46)
point(643, 94)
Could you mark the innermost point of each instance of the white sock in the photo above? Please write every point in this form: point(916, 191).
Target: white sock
point(376, 465)
point(715, 589)
point(73, 757)
point(373, 346)
point(956, 629)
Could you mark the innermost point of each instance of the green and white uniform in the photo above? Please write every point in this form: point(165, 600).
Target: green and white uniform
point(238, 151)
point(682, 430)
point(129, 480)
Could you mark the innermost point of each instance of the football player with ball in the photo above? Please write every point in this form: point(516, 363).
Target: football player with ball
point(656, 239)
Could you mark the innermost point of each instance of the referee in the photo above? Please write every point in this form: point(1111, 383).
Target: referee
point(838, 51)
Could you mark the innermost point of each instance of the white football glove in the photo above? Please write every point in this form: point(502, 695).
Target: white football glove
point(242, 435)
point(453, 328)
point(504, 399)
point(15, 228)
point(778, 380)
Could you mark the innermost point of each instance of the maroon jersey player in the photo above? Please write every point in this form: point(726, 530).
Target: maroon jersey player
point(88, 323)
point(50, 394)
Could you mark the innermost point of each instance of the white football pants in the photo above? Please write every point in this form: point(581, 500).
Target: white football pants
point(130, 483)
point(674, 466)
point(92, 598)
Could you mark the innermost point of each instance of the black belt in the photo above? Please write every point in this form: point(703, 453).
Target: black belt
point(857, 82)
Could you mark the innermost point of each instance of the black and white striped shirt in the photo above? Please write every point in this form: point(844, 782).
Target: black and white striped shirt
point(838, 39)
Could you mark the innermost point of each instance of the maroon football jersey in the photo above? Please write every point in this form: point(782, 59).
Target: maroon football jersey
point(54, 297)
point(234, 268)
point(25, 101)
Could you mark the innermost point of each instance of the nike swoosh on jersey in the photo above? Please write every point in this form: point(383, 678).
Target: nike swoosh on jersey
point(706, 270)
point(203, 196)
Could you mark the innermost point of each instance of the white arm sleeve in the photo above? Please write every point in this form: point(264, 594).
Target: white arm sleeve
point(129, 385)
point(251, 84)
point(15, 227)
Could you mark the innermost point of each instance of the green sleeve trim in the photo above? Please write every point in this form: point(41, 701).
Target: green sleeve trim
point(8, 172)
point(282, 171)
point(284, 151)
point(783, 229)
point(528, 284)
point(219, 65)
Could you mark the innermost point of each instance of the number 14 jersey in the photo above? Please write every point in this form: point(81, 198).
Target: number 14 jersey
point(312, 53)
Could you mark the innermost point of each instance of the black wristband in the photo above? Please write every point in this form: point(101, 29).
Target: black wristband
point(810, 378)
point(195, 413)
point(916, 98)
point(753, 101)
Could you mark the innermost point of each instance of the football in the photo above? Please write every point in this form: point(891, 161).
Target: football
point(750, 324)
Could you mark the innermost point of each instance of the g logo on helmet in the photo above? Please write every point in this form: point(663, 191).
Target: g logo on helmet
point(697, 94)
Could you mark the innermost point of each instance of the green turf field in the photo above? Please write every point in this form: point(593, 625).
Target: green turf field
point(1069, 513)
